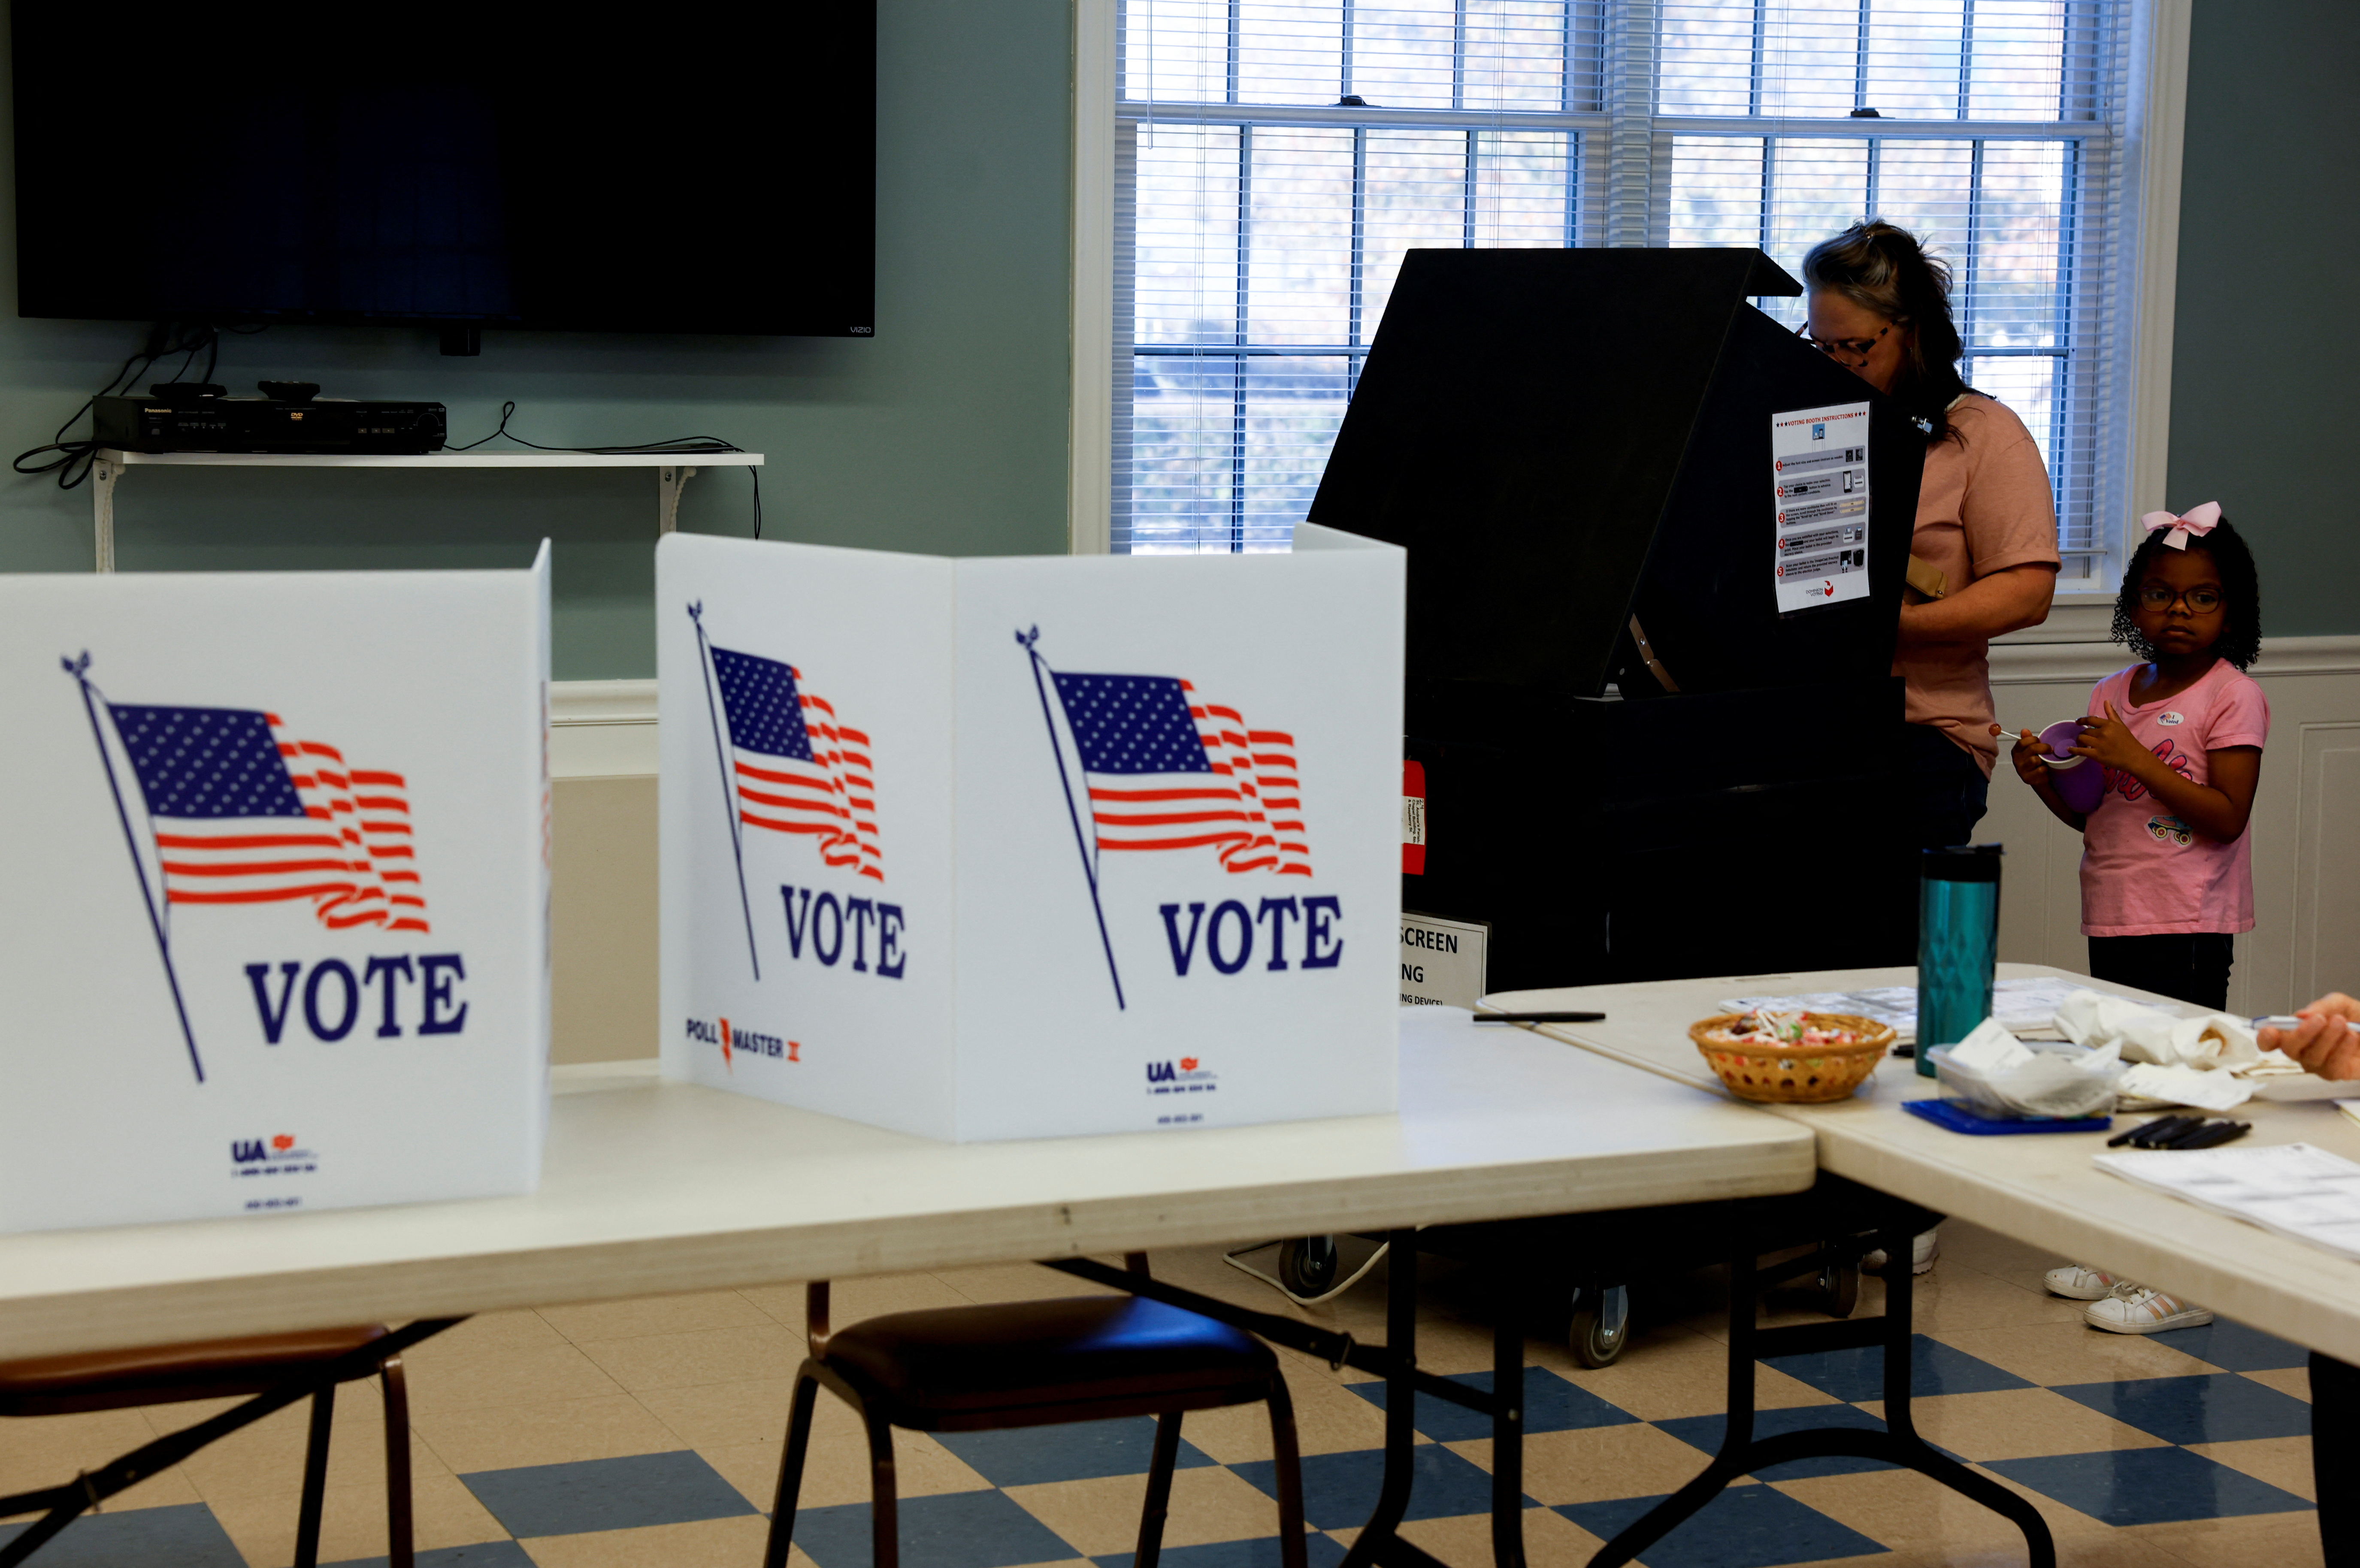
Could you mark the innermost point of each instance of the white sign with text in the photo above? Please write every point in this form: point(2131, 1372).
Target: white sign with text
point(274, 920)
point(1441, 961)
point(1007, 848)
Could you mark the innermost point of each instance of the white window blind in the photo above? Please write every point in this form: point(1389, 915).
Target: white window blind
point(1278, 156)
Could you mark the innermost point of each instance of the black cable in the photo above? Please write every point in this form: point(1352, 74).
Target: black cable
point(165, 339)
point(684, 446)
point(73, 463)
point(689, 444)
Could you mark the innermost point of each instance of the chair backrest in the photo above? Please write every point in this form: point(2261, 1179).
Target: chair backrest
point(815, 1303)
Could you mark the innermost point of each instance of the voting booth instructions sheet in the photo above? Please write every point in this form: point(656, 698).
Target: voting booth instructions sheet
point(1819, 462)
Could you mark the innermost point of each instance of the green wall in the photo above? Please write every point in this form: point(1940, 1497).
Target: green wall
point(946, 433)
point(2266, 342)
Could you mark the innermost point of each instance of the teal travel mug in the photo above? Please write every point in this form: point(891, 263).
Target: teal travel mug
point(1958, 944)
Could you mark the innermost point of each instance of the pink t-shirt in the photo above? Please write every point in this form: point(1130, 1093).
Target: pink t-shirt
point(2143, 872)
point(1983, 505)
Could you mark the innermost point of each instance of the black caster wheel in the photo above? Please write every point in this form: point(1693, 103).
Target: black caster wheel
point(1307, 1265)
point(1838, 1288)
point(1601, 1325)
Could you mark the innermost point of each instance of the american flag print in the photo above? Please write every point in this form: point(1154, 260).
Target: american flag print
point(239, 813)
point(1169, 770)
point(797, 767)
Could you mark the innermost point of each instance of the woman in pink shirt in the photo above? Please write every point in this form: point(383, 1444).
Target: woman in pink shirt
point(1984, 548)
point(2167, 868)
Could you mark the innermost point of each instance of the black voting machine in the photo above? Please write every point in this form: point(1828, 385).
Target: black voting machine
point(1571, 442)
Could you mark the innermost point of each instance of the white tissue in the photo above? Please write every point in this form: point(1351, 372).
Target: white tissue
point(2185, 1086)
point(1990, 1050)
point(1993, 1068)
point(2151, 1035)
point(2216, 1040)
point(2100, 1058)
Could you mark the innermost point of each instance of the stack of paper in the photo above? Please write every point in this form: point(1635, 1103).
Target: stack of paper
point(2293, 1189)
point(2023, 1006)
point(1860, 1003)
point(2028, 1005)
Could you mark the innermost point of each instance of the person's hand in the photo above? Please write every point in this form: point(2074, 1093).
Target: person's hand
point(2029, 750)
point(2109, 741)
point(2324, 1041)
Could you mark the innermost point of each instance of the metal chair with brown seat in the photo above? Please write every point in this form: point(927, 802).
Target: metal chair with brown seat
point(986, 1368)
point(228, 1368)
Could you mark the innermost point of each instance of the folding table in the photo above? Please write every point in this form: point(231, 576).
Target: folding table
point(650, 1187)
point(2042, 1190)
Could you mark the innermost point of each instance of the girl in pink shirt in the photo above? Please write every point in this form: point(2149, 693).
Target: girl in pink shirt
point(2167, 870)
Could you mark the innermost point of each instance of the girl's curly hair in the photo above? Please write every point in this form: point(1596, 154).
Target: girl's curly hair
point(2240, 593)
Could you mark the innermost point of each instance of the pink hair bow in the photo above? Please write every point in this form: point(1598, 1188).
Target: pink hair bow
point(2196, 520)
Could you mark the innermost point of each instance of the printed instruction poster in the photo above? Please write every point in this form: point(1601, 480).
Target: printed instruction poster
point(1819, 459)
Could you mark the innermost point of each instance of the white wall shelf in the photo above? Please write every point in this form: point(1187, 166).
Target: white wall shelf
point(673, 471)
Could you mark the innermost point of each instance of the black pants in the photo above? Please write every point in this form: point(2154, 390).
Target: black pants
point(2187, 966)
point(2334, 1452)
point(1948, 791)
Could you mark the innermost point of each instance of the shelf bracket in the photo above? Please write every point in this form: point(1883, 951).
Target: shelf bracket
point(104, 473)
point(671, 481)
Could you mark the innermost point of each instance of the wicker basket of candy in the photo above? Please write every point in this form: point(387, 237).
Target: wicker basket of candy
point(1792, 1059)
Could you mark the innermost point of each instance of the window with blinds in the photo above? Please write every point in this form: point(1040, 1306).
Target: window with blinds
point(1275, 158)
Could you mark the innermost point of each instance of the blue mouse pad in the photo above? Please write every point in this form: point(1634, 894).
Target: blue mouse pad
point(1943, 1114)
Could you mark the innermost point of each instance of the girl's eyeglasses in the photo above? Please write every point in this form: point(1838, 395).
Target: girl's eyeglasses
point(2199, 601)
point(1850, 352)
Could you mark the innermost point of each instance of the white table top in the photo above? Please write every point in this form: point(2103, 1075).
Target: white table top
point(2041, 1188)
point(652, 1187)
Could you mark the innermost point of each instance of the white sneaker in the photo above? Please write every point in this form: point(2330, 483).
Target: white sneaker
point(1923, 1249)
point(2079, 1282)
point(2141, 1309)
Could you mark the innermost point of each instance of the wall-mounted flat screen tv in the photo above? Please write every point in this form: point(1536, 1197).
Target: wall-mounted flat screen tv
point(709, 169)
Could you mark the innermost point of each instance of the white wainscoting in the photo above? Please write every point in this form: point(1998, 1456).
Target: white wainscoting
point(602, 729)
point(602, 930)
point(2306, 824)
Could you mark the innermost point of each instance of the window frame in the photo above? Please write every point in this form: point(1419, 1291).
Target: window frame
point(1624, 148)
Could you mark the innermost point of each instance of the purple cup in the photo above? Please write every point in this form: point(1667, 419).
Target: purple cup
point(2081, 783)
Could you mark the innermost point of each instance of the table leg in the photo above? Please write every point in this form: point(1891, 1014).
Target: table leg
point(1737, 1433)
point(1380, 1539)
point(1508, 1428)
point(1900, 1428)
point(2335, 1455)
point(1743, 1454)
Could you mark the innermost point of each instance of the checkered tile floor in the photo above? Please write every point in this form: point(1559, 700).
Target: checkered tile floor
point(647, 1433)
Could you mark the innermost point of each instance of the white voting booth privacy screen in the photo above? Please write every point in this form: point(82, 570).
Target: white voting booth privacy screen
point(273, 891)
point(1005, 848)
